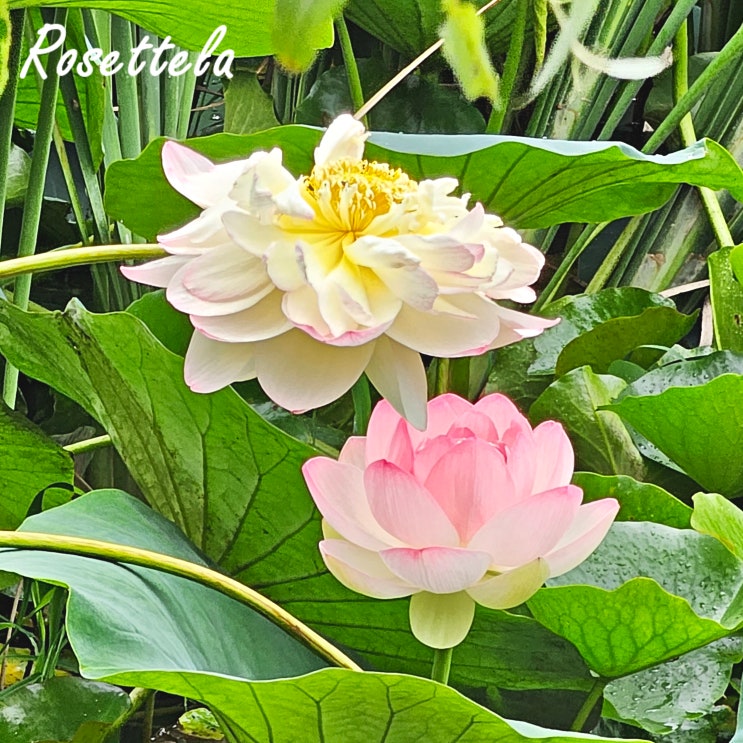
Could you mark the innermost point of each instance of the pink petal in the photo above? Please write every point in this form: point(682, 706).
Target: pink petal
point(399, 376)
point(554, 458)
point(354, 452)
point(441, 620)
point(338, 492)
point(588, 529)
point(445, 335)
point(522, 459)
point(197, 177)
point(263, 320)
point(529, 529)
point(155, 273)
point(474, 424)
point(513, 588)
point(405, 509)
point(503, 413)
point(429, 453)
point(471, 483)
point(343, 138)
point(299, 373)
point(437, 569)
point(211, 365)
point(362, 571)
point(443, 411)
point(387, 437)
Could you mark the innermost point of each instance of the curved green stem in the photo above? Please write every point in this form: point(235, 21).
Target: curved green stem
point(730, 53)
point(594, 696)
point(175, 566)
point(441, 665)
point(688, 136)
point(352, 69)
point(79, 447)
point(138, 697)
point(67, 257)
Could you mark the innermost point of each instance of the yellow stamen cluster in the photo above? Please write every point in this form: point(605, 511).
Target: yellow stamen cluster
point(359, 190)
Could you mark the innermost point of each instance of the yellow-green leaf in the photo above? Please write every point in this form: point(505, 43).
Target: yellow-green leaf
point(300, 28)
point(463, 34)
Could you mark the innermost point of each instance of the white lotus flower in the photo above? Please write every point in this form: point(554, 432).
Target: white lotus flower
point(307, 283)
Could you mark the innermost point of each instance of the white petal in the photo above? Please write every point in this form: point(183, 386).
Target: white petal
point(255, 191)
point(155, 273)
point(211, 365)
point(345, 137)
point(300, 373)
point(263, 320)
point(249, 233)
point(283, 263)
point(398, 374)
point(517, 325)
point(219, 282)
point(511, 589)
point(204, 233)
point(441, 620)
point(445, 335)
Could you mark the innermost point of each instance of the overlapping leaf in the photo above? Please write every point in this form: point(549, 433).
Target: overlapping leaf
point(64, 710)
point(600, 439)
point(232, 482)
point(700, 428)
point(531, 183)
point(122, 617)
point(31, 464)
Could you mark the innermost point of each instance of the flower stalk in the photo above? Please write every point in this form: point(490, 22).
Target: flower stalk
point(55, 260)
point(352, 69)
point(441, 665)
point(594, 696)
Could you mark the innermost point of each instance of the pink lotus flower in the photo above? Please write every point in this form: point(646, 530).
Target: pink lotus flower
point(478, 508)
point(308, 283)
